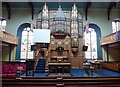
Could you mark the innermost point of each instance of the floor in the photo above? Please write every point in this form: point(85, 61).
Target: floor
point(79, 73)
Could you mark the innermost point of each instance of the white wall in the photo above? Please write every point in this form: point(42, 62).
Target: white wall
point(99, 17)
point(18, 17)
point(23, 15)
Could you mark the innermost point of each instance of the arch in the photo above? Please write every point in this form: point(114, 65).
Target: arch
point(98, 31)
point(19, 35)
point(116, 25)
point(2, 23)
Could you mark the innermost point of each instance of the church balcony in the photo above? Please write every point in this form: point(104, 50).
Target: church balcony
point(8, 38)
point(110, 39)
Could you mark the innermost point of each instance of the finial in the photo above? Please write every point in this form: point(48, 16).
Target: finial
point(45, 6)
point(59, 3)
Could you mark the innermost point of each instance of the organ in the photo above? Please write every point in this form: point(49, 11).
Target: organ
point(66, 37)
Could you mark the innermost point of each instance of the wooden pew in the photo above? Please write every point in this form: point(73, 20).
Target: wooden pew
point(111, 65)
point(66, 81)
point(92, 82)
point(28, 82)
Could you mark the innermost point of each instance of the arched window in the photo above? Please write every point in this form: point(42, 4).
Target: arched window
point(92, 35)
point(91, 42)
point(25, 35)
point(2, 23)
point(26, 42)
point(116, 25)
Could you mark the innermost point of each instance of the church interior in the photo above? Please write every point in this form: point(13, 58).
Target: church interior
point(60, 44)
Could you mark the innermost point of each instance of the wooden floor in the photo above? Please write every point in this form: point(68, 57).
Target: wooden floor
point(61, 82)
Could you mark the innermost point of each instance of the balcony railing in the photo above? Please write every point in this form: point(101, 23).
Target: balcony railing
point(111, 38)
point(8, 38)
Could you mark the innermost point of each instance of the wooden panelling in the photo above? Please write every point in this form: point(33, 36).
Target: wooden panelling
point(5, 53)
point(108, 39)
point(111, 38)
point(8, 38)
point(118, 35)
point(114, 54)
point(112, 42)
point(76, 62)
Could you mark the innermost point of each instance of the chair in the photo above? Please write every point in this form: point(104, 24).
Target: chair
point(92, 69)
point(86, 67)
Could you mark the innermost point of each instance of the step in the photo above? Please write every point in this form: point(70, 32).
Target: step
point(40, 65)
point(39, 71)
point(39, 68)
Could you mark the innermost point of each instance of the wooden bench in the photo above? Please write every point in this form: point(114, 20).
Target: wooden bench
point(111, 65)
point(65, 82)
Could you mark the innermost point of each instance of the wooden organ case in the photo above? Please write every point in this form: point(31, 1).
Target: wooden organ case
point(66, 39)
point(60, 54)
point(59, 50)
